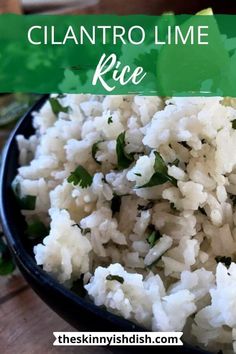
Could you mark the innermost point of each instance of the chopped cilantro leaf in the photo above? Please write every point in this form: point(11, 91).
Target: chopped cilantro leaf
point(124, 159)
point(27, 202)
point(115, 277)
point(153, 237)
point(159, 165)
point(155, 180)
point(57, 107)
point(175, 163)
point(95, 149)
point(234, 124)
point(161, 173)
point(138, 174)
point(80, 177)
point(109, 121)
point(37, 230)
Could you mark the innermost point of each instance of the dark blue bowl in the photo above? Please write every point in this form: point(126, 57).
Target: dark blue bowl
point(76, 309)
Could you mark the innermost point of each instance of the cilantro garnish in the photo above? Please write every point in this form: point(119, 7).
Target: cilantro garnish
point(234, 124)
point(80, 177)
point(124, 159)
point(161, 173)
point(57, 107)
point(95, 149)
point(36, 230)
point(115, 277)
point(27, 202)
point(109, 121)
point(153, 238)
point(175, 163)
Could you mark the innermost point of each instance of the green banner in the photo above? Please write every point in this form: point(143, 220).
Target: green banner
point(167, 55)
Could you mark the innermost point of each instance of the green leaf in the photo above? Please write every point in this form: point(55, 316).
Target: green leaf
point(161, 173)
point(37, 230)
point(80, 177)
point(159, 164)
point(6, 263)
point(115, 204)
point(57, 107)
point(153, 237)
point(109, 121)
point(115, 277)
point(155, 180)
point(172, 180)
point(175, 163)
point(26, 202)
point(95, 149)
point(234, 124)
point(124, 159)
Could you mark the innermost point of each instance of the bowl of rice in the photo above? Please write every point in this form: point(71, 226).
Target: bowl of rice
point(121, 212)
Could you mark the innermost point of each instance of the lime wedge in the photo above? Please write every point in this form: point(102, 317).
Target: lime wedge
point(205, 12)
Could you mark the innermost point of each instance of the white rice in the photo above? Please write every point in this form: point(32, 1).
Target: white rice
point(175, 283)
